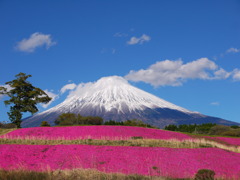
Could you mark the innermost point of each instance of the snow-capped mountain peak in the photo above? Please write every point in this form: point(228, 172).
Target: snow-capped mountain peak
point(114, 98)
point(114, 92)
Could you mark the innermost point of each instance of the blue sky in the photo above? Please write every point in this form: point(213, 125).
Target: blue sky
point(186, 52)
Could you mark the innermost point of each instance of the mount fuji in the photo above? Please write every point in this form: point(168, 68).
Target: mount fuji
point(113, 98)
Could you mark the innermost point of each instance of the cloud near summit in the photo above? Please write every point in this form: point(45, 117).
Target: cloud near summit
point(175, 73)
point(68, 87)
point(51, 95)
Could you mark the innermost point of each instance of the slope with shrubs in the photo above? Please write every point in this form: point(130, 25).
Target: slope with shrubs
point(208, 128)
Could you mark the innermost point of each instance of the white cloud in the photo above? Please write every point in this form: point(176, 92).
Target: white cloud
point(81, 88)
point(52, 95)
point(68, 87)
point(233, 50)
point(8, 89)
point(215, 103)
point(236, 74)
point(174, 73)
point(34, 41)
point(221, 74)
point(140, 40)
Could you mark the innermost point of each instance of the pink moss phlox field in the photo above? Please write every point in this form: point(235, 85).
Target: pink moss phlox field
point(95, 132)
point(173, 162)
point(228, 140)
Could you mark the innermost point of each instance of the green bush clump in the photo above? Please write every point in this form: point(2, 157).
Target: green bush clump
point(111, 122)
point(205, 174)
point(233, 132)
point(219, 129)
point(4, 125)
point(191, 128)
point(208, 128)
point(132, 122)
point(45, 124)
point(235, 127)
point(136, 137)
point(69, 119)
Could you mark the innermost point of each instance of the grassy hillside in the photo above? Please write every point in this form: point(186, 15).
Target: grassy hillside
point(5, 131)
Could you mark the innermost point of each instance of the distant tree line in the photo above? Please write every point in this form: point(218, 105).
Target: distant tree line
point(225, 130)
point(133, 122)
point(191, 128)
point(6, 125)
point(207, 128)
point(45, 124)
point(71, 119)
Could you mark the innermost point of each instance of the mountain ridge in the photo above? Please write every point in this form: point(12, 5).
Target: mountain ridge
point(113, 98)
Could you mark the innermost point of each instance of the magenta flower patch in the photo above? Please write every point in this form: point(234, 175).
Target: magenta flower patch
point(95, 132)
point(171, 162)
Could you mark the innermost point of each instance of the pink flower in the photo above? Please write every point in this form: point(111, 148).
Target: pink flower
point(95, 132)
point(171, 162)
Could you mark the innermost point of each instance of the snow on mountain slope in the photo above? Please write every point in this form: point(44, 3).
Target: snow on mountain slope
point(114, 98)
point(114, 93)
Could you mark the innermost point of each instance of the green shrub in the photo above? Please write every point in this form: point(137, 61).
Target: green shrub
point(111, 122)
point(45, 124)
point(90, 120)
point(22, 175)
point(7, 125)
point(219, 129)
point(136, 137)
point(191, 128)
point(136, 122)
point(68, 119)
point(235, 127)
point(203, 128)
point(133, 122)
point(205, 174)
point(171, 127)
point(65, 122)
point(233, 132)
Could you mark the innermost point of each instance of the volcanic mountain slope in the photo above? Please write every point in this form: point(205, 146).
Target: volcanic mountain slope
point(113, 98)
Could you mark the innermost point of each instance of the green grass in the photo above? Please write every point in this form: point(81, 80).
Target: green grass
point(201, 135)
point(5, 131)
point(75, 174)
point(172, 143)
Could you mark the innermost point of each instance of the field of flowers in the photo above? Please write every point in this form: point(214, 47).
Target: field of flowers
point(154, 161)
point(95, 132)
point(177, 163)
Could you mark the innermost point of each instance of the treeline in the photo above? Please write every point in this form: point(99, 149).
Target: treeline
point(5, 125)
point(68, 119)
point(71, 119)
point(133, 122)
point(191, 128)
point(208, 128)
point(225, 130)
